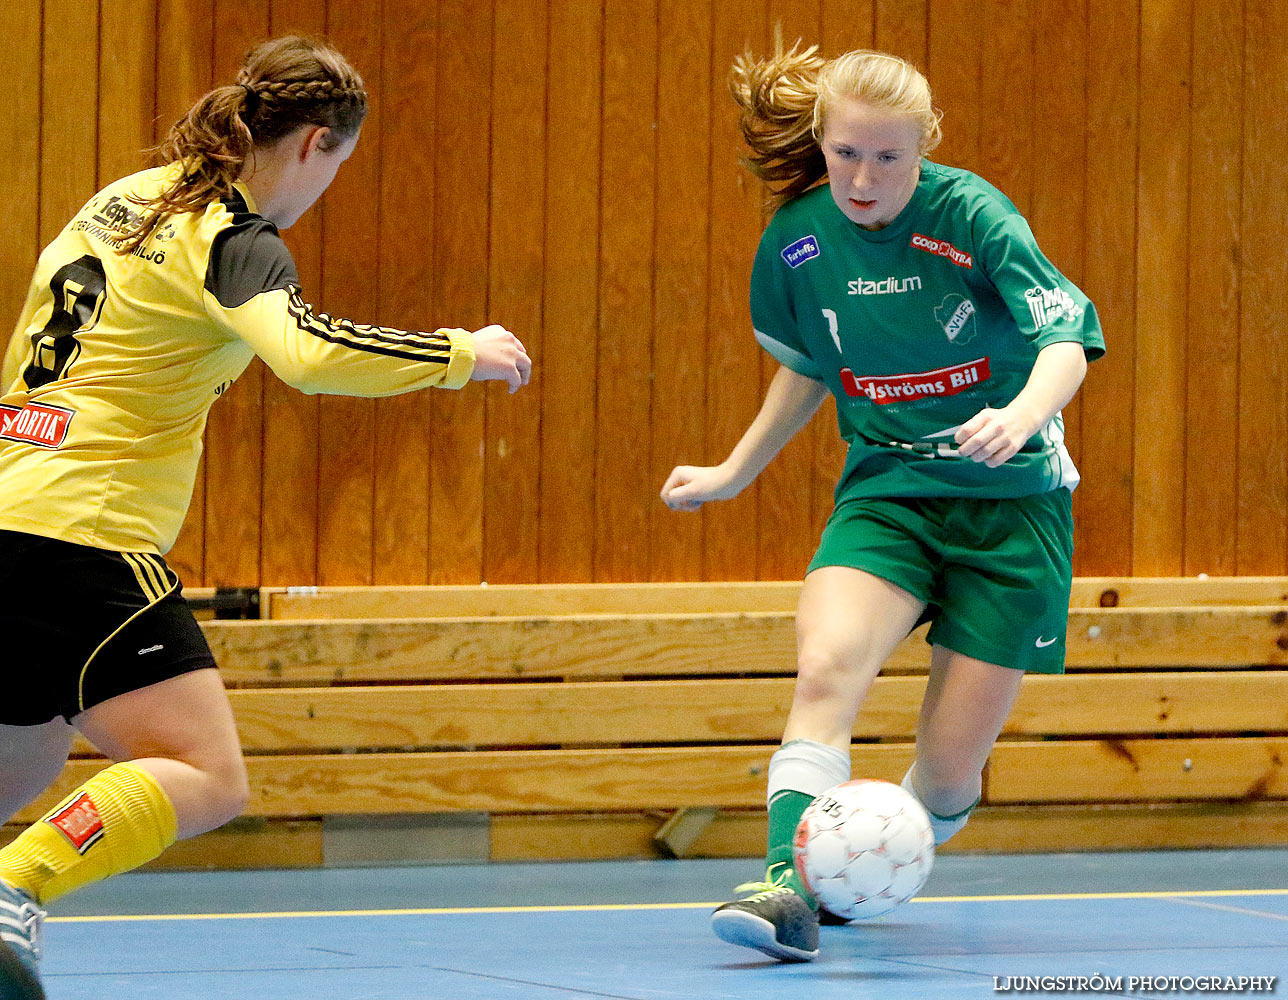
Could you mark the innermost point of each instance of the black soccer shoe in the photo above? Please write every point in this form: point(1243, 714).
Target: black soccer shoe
point(775, 920)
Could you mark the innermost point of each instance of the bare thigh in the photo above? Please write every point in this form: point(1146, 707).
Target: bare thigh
point(847, 625)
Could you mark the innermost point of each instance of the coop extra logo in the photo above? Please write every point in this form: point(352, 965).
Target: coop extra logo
point(942, 248)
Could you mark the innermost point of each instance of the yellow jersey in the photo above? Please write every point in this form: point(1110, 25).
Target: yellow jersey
point(116, 360)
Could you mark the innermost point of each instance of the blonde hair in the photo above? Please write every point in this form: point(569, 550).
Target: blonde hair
point(283, 84)
point(785, 99)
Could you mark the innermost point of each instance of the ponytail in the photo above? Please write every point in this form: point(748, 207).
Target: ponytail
point(777, 97)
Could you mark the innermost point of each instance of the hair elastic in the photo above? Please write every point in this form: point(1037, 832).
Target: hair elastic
point(252, 99)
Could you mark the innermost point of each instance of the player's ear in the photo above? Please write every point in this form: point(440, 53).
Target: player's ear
point(314, 140)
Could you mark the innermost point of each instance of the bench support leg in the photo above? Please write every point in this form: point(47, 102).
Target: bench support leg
point(676, 836)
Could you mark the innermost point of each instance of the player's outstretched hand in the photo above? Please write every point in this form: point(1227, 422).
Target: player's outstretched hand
point(688, 487)
point(498, 354)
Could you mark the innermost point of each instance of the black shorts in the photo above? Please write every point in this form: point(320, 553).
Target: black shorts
point(80, 625)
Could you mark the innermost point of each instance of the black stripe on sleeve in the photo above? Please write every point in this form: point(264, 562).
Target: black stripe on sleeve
point(373, 339)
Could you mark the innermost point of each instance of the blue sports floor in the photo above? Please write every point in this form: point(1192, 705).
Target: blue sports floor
point(639, 931)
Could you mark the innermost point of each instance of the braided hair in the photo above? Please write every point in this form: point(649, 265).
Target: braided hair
point(283, 84)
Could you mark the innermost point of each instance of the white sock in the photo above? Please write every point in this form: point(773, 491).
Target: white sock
point(808, 767)
point(943, 826)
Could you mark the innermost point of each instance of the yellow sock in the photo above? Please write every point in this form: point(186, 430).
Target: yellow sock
point(116, 821)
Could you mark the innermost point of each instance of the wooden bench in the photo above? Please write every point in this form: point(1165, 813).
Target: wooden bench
point(631, 720)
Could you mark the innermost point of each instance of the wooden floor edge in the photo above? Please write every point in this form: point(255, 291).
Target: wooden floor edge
point(251, 843)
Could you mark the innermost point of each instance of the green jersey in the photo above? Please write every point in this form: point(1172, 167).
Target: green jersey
point(917, 327)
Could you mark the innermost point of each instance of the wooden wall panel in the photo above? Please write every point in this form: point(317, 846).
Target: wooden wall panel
point(564, 375)
point(901, 28)
point(953, 67)
point(350, 288)
point(462, 159)
point(1213, 267)
point(1007, 125)
point(801, 20)
point(680, 278)
point(512, 447)
point(126, 86)
point(1161, 306)
point(406, 102)
point(185, 41)
point(1103, 545)
point(1263, 429)
point(733, 367)
point(628, 207)
point(573, 173)
point(847, 24)
point(69, 112)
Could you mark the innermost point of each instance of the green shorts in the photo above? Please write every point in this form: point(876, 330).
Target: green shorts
point(995, 574)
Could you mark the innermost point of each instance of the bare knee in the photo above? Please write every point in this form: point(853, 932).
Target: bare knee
point(948, 786)
point(227, 786)
point(206, 792)
point(236, 789)
point(826, 672)
point(181, 730)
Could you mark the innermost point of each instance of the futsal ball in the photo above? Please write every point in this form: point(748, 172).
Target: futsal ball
point(864, 847)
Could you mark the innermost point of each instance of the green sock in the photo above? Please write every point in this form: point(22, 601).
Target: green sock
point(784, 815)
